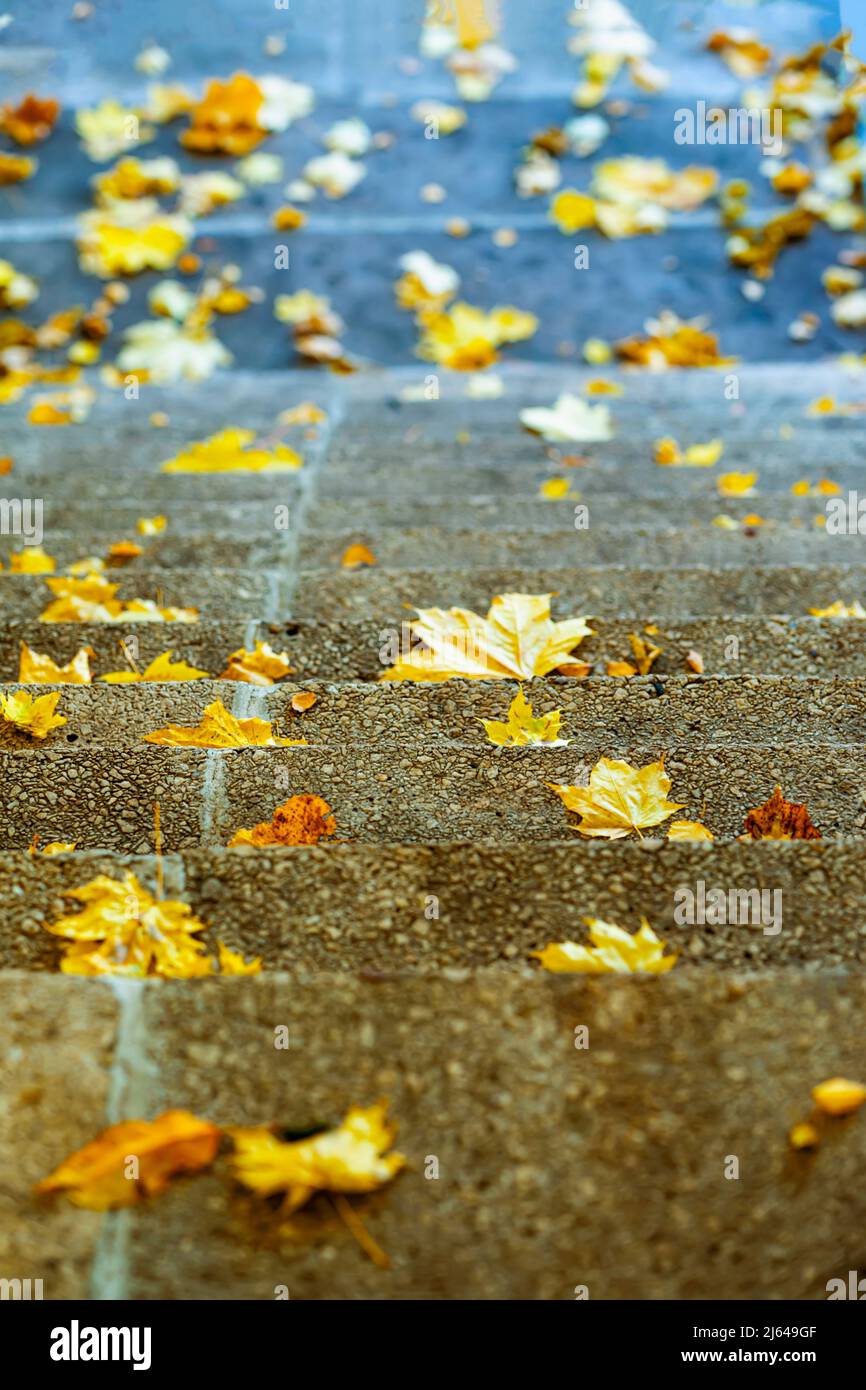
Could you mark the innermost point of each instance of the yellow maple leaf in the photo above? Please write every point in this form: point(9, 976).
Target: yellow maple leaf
point(130, 238)
point(226, 120)
point(613, 951)
point(219, 729)
point(97, 1176)
point(516, 639)
point(302, 820)
point(150, 525)
point(572, 210)
point(688, 830)
point(350, 1158)
point(36, 669)
point(31, 714)
point(620, 798)
point(162, 668)
point(261, 666)
point(53, 847)
point(522, 727)
point(228, 451)
point(671, 342)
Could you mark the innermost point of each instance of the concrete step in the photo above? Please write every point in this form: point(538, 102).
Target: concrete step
point(349, 649)
point(681, 1075)
point(431, 547)
point(659, 594)
point(703, 711)
point(103, 797)
point(393, 908)
point(215, 592)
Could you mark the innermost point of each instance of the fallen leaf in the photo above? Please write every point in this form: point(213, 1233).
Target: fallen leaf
point(302, 820)
point(804, 1136)
point(695, 661)
point(92, 600)
point(32, 120)
point(839, 609)
point(31, 714)
point(522, 727)
point(233, 963)
point(555, 488)
point(36, 669)
point(620, 798)
point(569, 419)
point(261, 666)
point(354, 556)
point(219, 729)
point(736, 484)
point(645, 654)
point(228, 451)
point(31, 560)
point(350, 1158)
point(98, 1176)
point(621, 668)
point(303, 700)
point(162, 668)
point(688, 830)
point(838, 1096)
point(778, 819)
point(613, 951)
point(466, 338)
point(150, 525)
point(516, 639)
point(670, 342)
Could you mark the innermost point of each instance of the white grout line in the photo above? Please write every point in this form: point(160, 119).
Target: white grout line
point(127, 1100)
point(212, 795)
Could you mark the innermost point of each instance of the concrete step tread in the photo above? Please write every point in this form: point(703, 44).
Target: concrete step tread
point(483, 1075)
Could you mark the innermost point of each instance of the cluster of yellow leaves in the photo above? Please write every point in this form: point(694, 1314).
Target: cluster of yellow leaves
point(778, 819)
point(517, 639)
point(31, 559)
point(302, 820)
point(670, 342)
point(757, 249)
point(613, 951)
point(465, 338)
point(123, 930)
point(97, 1176)
point(261, 666)
point(219, 729)
point(620, 798)
point(632, 196)
point(31, 121)
point(351, 1158)
point(522, 727)
point(316, 329)
point(668, 452)
point(92, 600)
point(33, 715)
point(229, 451)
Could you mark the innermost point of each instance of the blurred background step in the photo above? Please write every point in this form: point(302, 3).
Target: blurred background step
point(482, 1074)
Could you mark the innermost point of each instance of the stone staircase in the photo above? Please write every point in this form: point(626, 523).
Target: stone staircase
point(558, 1167)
